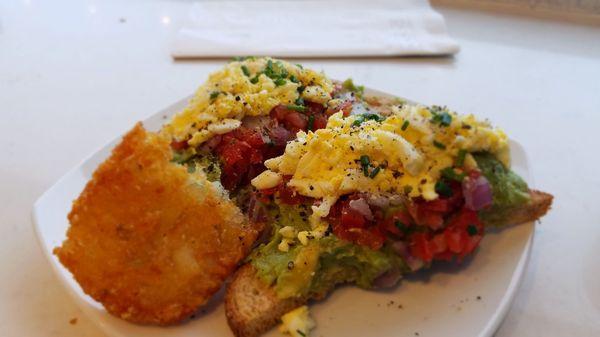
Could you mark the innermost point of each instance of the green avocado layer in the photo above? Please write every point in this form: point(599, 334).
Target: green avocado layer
point(509, 190)
point(316, 268)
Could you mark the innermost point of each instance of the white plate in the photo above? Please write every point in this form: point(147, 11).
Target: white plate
point(470, 299)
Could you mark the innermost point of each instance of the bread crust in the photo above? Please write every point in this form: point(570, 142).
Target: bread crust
point(252, 307)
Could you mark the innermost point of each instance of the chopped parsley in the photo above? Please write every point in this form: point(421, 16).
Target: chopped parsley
point(279, 82)
point(401, 226)
point(472, 230)
point(440, 116)
point(374, 172)
point(443, 189)
point(365, 162)
point(245, 70)
point(405, 125)
point(439, 145)
point(311, 122)
point(450, 174)
point(214, 95)
point(295, 107)
point(367, 117)
point(243, 58)
point(350, 86)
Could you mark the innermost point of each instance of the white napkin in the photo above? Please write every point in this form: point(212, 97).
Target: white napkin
point(312, 29)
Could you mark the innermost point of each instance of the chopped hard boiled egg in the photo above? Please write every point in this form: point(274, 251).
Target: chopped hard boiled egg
point(267, 179)
point(403, 153)
point(297, 322)
point(251, 87)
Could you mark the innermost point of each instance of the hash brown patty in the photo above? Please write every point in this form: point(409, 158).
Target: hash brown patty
point(149, 240)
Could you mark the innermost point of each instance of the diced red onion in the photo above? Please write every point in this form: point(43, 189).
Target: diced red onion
point(362, 207)
point(212, 143)
point(477, 192)
point(379, 201)
point(388, 279)
point(279, 135)
point(256, 123)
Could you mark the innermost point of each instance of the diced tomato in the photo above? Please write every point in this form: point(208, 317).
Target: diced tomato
point(455, 240)
point(295, 121)
point(437, 205)
point(419, 247)
point(390, 224)
point(352, 219)
point(424, 216)
point(289, 196)
point(179, 145)
point(279, 112)
point(320, 122)
point(313, 108)
point(438, 244)
point(350, 225)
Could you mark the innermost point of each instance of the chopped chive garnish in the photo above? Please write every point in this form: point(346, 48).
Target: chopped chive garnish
point(301, 89)
point(450, 174)
point(254, 79)
point(439, 145)
point(440, 116)
point(405, 125)
point(358, 121)
point(243, 58)
point(401, 226)
point(407, 189)
point(294, 79)
point(472, 230)
point(279, 82)
point(299, 66)
point(214, 94)
point(367, 117)
point(374, 172)
point(460, 159)
point(311, 122)
point(365, 162)
point(245, 70)
point(349, 85)
point(443, 189)
point(299, 101)
point(294, 107)
point(301, 333)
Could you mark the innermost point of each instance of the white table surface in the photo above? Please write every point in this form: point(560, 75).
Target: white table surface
point(75, 74)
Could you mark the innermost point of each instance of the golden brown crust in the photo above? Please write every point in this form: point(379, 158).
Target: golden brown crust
point(149, 241)
point(251, 306)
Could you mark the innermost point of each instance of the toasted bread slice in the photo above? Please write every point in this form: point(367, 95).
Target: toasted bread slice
point(252, 307)
point(149, 240)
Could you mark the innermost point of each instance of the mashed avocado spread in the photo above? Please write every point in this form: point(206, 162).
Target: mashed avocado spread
point(313, 269)
point(509, 190)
